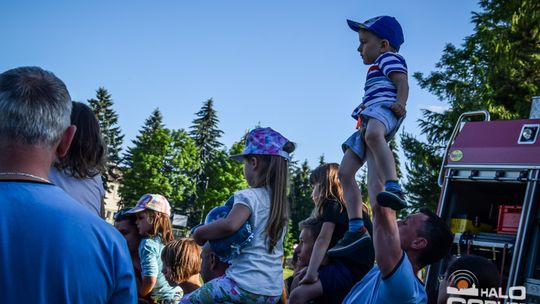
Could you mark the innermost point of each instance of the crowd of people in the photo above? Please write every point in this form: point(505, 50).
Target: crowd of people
point(56, 249)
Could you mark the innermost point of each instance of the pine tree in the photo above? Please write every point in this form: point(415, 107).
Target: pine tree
point(300, 200)
point(161, 161)
point(225, 176)
point(497, 68)
point(102, 106)
point(206, 134)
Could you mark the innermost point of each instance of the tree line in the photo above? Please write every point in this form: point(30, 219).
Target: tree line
point(496, 68)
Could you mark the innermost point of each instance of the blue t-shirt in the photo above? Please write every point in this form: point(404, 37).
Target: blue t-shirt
point(399, 287)
point(52, 250)
point(151, 265)
point(379, 88)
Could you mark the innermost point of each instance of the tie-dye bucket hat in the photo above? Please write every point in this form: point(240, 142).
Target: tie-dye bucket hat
point(154, 202)
point(264, 141)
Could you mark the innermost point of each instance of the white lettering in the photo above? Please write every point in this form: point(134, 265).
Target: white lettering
point(492, 293)
point(484, 292)
point(455, 300)
point(475, 301)
point(501, 294)
point(520, 290)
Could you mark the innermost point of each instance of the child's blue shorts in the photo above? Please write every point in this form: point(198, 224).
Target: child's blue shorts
point(380, 112)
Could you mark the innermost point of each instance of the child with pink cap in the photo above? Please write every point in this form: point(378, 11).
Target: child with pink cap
point(153, 222)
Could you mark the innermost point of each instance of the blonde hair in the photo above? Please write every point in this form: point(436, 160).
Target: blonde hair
point(161, 224)
point(326, 177)
point(274, 175)
point(183, 256)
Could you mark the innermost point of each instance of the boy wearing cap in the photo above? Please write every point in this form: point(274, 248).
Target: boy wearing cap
point(378, 118)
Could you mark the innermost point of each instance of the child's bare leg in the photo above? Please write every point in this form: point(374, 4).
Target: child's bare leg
point(350, 164)
point(384, 159)
point(392, 196)
point(305, 292)
point(353, 201)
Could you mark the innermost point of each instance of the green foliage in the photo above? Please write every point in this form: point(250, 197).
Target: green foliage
point(420, 186)
point(289, 242)
point(111, 132)
point(497, 68)
point(161, 161)
point(218, 176)
point(300, 200)
point(225, 176)
point(206, 133)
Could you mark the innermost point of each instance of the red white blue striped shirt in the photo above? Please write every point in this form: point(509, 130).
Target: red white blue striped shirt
point(379, 87)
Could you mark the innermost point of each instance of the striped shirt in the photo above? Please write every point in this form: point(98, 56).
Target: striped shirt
point(379, 87)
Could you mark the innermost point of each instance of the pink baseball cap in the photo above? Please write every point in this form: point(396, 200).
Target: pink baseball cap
point(154, 202)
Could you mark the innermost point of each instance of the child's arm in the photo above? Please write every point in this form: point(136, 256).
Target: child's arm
point(147, 285)
point(219, 229)
point(148, 252)
point(402, 86)
point(319, 252)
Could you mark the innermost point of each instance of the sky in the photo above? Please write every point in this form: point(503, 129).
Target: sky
point(289, 65)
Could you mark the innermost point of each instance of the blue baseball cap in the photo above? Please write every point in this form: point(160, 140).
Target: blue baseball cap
point(385, 27)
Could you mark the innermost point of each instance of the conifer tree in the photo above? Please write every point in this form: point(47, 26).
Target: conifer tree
point(161, 161)
point(206, 134)
point(102, 106)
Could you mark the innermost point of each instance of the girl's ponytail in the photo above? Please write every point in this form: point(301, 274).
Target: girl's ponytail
point(276, 180)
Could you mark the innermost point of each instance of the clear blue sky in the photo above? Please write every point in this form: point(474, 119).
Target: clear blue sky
point(291, 65)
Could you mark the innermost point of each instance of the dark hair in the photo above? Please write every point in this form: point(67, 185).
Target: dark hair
point(313, 224)
point(87, 153)
point(439, 238)
point(274, 175)
point(123, 215)
point(483, 269)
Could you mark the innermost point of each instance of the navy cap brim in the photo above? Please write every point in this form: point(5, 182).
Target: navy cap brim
point(237, 157)
point(135, 210)
point(355, 26)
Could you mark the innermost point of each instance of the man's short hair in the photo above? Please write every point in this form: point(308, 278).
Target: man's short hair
point(313, 224)
point(439, 238)
point(35, 106)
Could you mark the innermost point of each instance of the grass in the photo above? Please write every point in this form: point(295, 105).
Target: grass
point(287, 273)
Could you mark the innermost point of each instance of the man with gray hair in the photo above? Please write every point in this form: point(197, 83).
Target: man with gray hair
point(52, 250)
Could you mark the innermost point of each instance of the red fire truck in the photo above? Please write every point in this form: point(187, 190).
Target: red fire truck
point(490, 196)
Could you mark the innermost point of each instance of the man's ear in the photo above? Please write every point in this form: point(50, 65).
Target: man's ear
point(65, 141)
point(419, 243)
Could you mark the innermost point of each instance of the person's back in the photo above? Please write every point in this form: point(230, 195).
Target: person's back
point(54, 251)
point(77, 172)
point(86, 191)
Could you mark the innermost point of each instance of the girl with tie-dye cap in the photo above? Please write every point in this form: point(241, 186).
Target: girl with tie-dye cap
point(256, 274)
